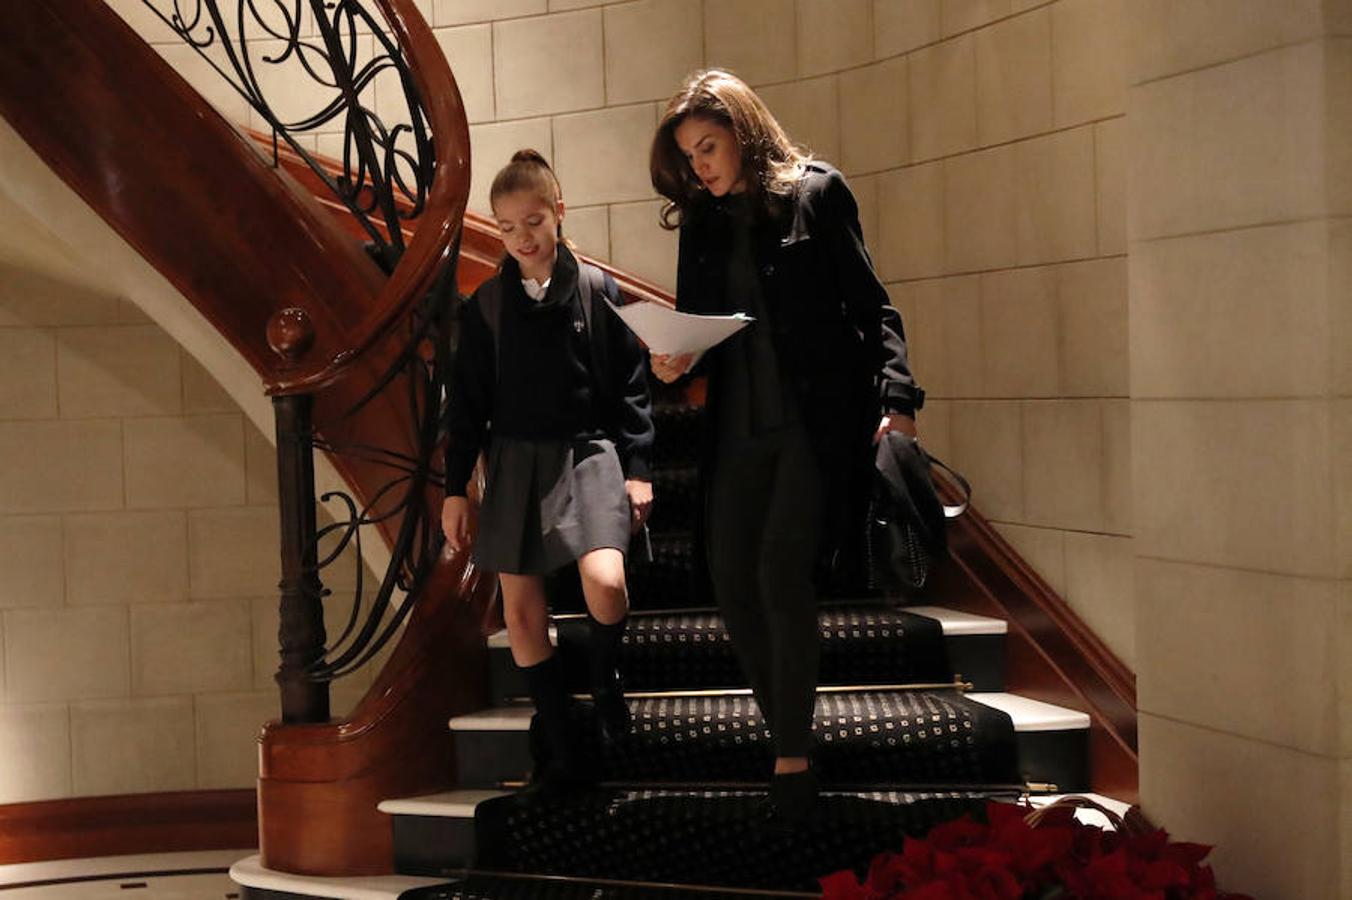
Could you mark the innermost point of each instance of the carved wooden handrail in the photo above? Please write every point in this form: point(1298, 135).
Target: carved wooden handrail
point(180, 184)
point(1051, 654)
point(440, 220)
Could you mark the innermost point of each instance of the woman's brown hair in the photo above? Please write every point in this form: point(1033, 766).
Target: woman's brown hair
point(771, 164)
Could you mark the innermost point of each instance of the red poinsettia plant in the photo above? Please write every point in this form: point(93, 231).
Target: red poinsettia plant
point(1052, 857)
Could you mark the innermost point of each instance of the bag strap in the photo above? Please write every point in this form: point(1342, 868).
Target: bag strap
point(489, 297)
point(952, 512)
point(592, 290)
point(591, 284)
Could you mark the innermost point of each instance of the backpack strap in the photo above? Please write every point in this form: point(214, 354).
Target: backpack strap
point(592, 287)
point(592, 290)
point(489, 297)
point(591, 283)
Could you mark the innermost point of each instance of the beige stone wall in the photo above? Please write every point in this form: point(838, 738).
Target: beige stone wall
point(984, 141)
point(1241, 251)
point(138, 537)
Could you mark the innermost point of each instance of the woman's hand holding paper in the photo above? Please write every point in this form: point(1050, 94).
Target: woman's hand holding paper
point(668, 367)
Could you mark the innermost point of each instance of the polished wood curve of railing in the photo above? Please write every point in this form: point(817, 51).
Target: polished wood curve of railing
point(236, 237)
point(437, 226)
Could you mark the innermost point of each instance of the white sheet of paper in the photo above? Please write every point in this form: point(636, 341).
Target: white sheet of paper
point(665, 330)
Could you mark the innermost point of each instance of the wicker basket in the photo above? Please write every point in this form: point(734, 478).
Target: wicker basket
point(1133, 823)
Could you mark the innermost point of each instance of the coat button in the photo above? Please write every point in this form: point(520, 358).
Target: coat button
point(768, 270)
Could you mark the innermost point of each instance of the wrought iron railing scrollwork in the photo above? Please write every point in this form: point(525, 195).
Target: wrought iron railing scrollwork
point(420, 373)
point(317, 72)
point(384, 160)
point(417, 376)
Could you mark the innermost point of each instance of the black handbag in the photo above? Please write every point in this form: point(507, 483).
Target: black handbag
point(907, 521)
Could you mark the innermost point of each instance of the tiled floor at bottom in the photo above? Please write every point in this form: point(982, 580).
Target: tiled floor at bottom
point(161, 887)
point(168, 876)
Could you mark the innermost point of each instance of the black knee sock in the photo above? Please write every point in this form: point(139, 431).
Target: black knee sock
point(605, 651)
point(549, 693)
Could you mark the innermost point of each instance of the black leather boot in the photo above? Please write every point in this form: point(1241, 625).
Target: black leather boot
point(612, 711)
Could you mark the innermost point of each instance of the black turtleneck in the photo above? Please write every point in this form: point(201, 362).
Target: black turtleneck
point(754, 400)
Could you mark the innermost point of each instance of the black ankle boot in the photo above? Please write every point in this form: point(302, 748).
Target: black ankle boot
point(612, 711)
point(553, 747)
point(793, 797)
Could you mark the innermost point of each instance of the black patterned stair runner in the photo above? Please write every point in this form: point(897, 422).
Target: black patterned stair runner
point(860, 737)
point(678, 487)
point(859, 645)
point(665, 581)
point(712, 837)
point(680, 432)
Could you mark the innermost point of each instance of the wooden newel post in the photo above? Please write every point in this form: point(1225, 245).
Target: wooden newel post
point(301, 633)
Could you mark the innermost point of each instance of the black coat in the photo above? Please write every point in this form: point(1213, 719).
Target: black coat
point(838, 338)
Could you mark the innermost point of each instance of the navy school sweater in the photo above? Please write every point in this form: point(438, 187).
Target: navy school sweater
point(558, 379)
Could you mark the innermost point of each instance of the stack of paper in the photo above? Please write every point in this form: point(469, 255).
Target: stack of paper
point(665, 330)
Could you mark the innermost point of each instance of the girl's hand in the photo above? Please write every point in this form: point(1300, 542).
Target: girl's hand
point(640, 502)
point(904, 424)
point(455, 522)
point(668, 368)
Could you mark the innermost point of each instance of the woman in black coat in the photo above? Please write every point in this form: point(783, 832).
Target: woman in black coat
point(795, 400)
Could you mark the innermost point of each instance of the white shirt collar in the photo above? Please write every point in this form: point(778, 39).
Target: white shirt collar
point(534, 289)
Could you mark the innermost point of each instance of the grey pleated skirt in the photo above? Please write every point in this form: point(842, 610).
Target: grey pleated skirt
point(546, 503)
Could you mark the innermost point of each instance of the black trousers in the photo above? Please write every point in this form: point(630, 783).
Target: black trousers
point(762, 531)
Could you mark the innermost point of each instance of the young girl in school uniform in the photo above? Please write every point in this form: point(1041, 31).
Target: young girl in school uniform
point(565, 390)
point(793, 400)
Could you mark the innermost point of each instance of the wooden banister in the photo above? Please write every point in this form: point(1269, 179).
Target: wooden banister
point(439, 221)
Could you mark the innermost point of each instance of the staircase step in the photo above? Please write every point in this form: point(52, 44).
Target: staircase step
point(265, 884)
point(476, 886)
point(520, 886)
point(708, 837)
point(1053, 741)
point(862, 737)
point(434, 833)
point(861, 644)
